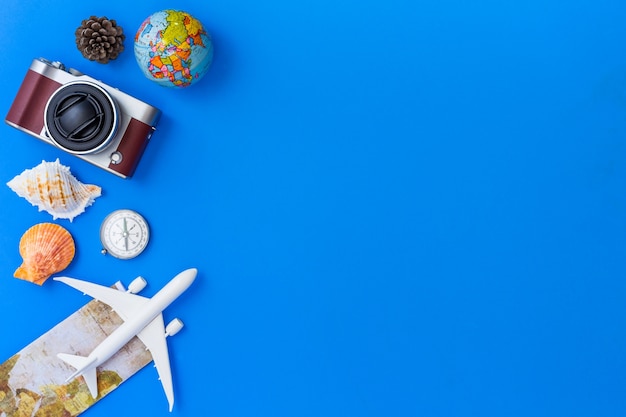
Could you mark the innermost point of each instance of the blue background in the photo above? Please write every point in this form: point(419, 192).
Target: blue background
point(397, 208)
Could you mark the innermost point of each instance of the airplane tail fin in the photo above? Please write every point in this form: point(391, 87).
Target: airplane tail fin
point(81, 364)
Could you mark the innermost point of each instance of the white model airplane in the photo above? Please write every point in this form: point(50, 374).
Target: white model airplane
point(142, 318)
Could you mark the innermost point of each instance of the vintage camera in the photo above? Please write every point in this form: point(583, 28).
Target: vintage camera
point(83, 116)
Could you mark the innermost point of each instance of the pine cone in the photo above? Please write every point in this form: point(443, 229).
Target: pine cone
point(99, 39)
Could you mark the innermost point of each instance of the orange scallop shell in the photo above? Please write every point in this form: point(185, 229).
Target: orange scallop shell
point(45, 248)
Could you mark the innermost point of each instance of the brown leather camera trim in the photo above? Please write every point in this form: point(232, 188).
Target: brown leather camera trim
point(29, 105)
point(132, 146)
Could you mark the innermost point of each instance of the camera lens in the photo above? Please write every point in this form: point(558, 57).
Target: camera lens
point(81, 118)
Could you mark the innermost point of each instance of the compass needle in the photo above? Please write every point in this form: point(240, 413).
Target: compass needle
point(124, 234)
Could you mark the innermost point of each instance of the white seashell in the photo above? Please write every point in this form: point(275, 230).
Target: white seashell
point(51, 187)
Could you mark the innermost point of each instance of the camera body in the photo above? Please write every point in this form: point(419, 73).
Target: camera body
point(83, 116)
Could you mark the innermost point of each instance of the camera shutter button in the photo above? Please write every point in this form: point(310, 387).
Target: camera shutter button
point(116, 157)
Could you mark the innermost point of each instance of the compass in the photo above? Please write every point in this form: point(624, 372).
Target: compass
point(124, 234)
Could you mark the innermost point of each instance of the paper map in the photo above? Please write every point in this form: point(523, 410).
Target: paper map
point(32, 382)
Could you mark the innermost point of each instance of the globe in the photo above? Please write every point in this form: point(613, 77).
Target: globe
point(173, 49)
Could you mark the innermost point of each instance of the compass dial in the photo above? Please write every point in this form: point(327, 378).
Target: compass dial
point(124, 234)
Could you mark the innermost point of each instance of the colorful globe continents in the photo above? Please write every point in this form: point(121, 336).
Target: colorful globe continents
point(173, 49)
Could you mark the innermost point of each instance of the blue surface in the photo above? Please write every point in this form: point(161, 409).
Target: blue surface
point(397, 208)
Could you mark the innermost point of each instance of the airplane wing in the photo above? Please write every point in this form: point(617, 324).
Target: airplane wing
point(121, 302)
point(153, 336)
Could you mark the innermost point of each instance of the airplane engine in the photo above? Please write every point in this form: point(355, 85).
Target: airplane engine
point(173, 327)
point(137, 285)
